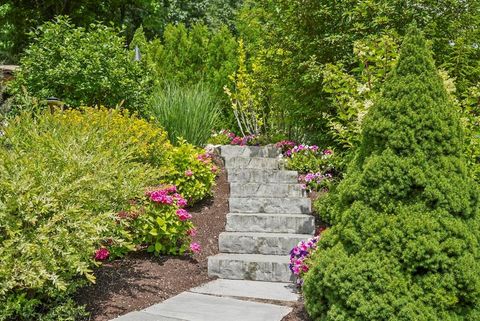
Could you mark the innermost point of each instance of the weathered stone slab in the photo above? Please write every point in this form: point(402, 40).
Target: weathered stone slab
point(228, 151)
point(239, 175)
point(259, 243)
point(251, 289)
point(256, 267)
point(200, 307)
point(252, 162)
point(270, 223)
point(266, 190)
point(270, 205)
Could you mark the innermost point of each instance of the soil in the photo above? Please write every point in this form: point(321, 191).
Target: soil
point(298, 314)
point(141, 280)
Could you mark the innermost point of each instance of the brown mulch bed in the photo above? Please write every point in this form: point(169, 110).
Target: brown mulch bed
point(141, 280)
point(298, 314)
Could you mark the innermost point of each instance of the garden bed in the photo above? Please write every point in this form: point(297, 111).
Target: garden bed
point(141, 280)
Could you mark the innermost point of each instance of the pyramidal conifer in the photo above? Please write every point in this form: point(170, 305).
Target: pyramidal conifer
point(405, 246)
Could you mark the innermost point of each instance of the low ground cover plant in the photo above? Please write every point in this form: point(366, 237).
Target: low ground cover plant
point(405, 243)
point(75, 190)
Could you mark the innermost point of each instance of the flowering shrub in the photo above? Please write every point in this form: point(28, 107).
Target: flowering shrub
point(285, 145)
point(315, 181)
point(223, 137)
point(309, 159)
point(299, 258)
point(159, 222)
point(191, 170)
point(226, 137)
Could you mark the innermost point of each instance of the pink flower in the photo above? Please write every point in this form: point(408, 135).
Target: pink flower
point(214, 169)
point(192, 232)
point(327, 152)
point(181, 202)
point(296, 270)
point(195, 247)
point(102, 254)
point(188, 173)
point(183, 215)
point(161, 196)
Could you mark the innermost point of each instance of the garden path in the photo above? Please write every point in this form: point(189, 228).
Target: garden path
point(269, 215)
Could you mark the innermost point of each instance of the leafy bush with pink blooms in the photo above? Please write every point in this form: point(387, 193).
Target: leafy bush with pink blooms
point(226, 137)
point(316, 166)
point(309, 159)
point(158, 221)
point(191, 170)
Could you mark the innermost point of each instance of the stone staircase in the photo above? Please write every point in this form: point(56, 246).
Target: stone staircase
point(269, 215)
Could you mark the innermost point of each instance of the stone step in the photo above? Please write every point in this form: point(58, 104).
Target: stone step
point(250, 289)
point(266, 190)
point(229, 151)
point(261, 176)
point(259, 243)
point(252, 162)
point(270, 205)
point(270, 223)
point(200, 307)
point(257, 267)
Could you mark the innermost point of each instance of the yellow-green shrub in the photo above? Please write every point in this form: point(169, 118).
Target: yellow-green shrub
point(63, 178)
point(192, 171)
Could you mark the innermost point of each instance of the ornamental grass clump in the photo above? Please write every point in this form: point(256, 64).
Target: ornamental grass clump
point(406, 243)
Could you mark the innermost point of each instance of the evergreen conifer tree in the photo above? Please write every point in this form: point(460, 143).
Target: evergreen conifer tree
point(406, 243)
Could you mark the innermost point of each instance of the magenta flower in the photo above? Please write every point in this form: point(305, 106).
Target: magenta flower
point(183, 215)
point(188, 173)
point(192, 232)
point(327, 152)
point(102, 254)
point(195, 247)
point(181, 202)
point(161, 196)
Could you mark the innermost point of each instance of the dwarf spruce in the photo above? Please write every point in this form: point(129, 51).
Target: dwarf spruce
point(406, 243)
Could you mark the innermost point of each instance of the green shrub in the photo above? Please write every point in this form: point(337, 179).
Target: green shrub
point(185, 112)
point(192, 171)
point(406, 244)
point(63, 176)
point(309, 159)
point(82, 67)
point(189, 56)
point(158, 221)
